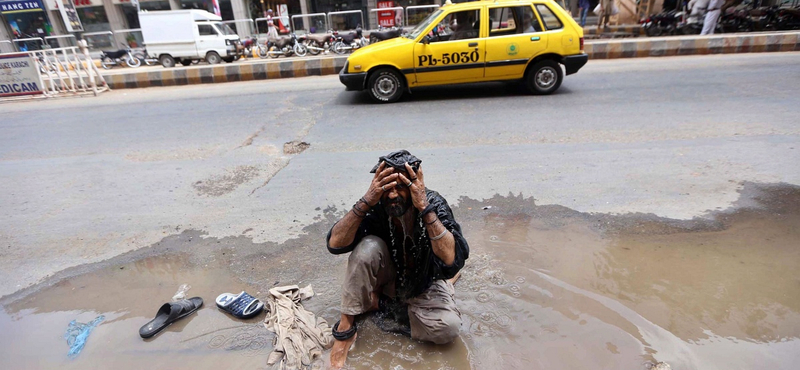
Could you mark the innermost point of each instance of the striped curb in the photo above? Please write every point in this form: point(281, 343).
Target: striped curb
point(596, 49)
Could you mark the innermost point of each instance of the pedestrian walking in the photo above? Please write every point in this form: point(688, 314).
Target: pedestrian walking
point(583, 11)
point(272, 32)
point(607, 8)
point(712, 16)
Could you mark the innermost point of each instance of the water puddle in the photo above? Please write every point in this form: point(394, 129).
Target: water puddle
point(545, 287)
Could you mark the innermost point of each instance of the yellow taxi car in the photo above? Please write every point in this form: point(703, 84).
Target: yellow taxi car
point(470, 42)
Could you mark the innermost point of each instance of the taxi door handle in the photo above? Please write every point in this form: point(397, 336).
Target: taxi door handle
point(535, 38)
point(471, 44)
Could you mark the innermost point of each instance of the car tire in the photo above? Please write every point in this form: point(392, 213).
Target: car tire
point(213, 58)
point(386, 85)
point(186, 62)
point(544, 77)
point(167, 61)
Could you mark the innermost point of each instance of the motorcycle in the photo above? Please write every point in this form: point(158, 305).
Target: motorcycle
point(145, 58)
point(664, 23)
point(286, 46)
point(318, 43)
point(383, 34)
point(251, 45)
point(349, 42)
point(788, 19)
point(109, 59)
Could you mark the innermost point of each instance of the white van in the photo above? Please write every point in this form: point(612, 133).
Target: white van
point(186, 35)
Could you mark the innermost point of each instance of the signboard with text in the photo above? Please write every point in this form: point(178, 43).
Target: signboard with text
point(386, 18)
point(20, 6)
point(19, 75)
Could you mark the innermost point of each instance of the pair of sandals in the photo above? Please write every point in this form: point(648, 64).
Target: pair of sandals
point(241, 306)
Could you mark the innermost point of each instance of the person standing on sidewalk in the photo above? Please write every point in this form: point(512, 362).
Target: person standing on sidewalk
point(605, 15)
point(583, 11)
point(712, 16)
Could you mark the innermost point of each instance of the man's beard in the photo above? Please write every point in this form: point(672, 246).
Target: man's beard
point(396, 207)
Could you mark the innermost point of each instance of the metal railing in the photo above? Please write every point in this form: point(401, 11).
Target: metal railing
point(61, 41)
point(312, 23)
point(346, 24)
point(395, 11)
point(243, 27)
point(420, 12)
point(68, 71)
point(100, 40)
point(28, 44)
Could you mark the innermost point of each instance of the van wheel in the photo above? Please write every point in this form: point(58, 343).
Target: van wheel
point(186, 62)
point(167, 61)
point(385, 86)
point(544, 77)
point(213, 58)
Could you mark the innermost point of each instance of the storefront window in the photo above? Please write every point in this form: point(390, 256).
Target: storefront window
point(26, 20)
point(94, 19)
point(207, 5)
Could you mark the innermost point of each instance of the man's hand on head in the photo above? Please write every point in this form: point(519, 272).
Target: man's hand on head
point(416, 185)
point(384, 180)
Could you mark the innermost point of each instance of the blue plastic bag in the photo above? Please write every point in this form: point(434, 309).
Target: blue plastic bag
point(78, 332)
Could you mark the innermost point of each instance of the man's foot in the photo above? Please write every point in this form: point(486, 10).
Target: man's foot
point(340, 350)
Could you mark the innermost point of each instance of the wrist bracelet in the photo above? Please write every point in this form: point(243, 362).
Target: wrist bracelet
point(364, 201)
point(432, 222)
point(437, 237)
point(356, 210)
point(430, 208)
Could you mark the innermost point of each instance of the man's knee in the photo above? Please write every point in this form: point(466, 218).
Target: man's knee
point(368, 250)
point(443, 330)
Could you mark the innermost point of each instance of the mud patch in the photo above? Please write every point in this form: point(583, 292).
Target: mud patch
point(545, 287)
point(295, 147)
point(227, 182)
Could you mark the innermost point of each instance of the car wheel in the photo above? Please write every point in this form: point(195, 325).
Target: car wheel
point(386, 86)
point(544, 77)
point(167, 61)
point(186, 62)
point(213, 58)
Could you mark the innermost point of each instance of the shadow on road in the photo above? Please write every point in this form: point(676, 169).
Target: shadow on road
point(449, 92)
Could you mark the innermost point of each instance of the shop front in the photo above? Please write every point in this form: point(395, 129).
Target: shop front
point(129, 9)
point(26, 19)
point(93, 15)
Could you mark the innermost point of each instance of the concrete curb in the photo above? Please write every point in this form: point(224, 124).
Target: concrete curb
point(597, 49)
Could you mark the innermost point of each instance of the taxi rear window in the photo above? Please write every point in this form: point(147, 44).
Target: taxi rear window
point(550, 20)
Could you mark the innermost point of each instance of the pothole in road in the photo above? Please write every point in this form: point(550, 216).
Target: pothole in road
point(295, 147)
point(545, 287)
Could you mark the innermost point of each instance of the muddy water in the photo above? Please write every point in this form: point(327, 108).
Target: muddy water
point(545, 288)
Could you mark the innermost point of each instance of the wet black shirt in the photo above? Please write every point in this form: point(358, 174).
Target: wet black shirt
point(416, 265)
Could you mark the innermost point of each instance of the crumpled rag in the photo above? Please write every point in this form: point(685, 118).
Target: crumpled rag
point(78, 332)
point(300, 336)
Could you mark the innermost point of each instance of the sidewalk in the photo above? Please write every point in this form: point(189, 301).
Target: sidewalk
point(261, 69)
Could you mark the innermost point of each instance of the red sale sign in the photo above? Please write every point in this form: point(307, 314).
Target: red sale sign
point(386, 17)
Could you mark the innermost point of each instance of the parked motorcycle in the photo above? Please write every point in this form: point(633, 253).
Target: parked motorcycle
point(788, 19)
point(286, 46)
point(383, 34)
point(349, 42)
point(109, 59)
point(145, 58)
point(664, 23)
point(318, 43)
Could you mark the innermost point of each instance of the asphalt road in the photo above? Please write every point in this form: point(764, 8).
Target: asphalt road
point(86, 179)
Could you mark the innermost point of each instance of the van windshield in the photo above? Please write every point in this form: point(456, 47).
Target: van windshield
point(225, 29)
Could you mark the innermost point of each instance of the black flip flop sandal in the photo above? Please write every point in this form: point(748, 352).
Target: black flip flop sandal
point(169, 313)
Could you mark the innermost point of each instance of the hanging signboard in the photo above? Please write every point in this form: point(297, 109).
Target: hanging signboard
point(19, 75)
point(386, 17)
point(20, 6)
point(70, 15)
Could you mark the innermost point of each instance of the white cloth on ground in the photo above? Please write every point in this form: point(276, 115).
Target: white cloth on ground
point(300, 336)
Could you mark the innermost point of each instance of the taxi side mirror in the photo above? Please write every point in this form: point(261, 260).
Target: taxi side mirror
point(426, 40)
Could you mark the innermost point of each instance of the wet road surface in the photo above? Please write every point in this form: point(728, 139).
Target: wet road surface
point(648, 212)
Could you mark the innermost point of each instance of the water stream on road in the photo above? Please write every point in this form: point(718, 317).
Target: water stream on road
point(545, 287)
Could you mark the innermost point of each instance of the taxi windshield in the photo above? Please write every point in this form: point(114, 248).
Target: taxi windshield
point(423, 25)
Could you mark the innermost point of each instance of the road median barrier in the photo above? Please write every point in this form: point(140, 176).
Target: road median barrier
point(597, 49)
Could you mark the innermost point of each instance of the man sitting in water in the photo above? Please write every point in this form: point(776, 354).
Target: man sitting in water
point(406, 248)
